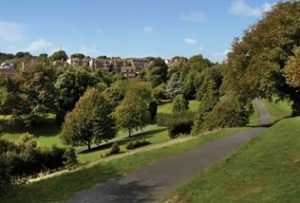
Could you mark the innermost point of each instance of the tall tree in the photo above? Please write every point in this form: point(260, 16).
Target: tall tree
point(90, 121)
point(132, 113)
point(158, 72)
point(70, 86)
point(255, 65)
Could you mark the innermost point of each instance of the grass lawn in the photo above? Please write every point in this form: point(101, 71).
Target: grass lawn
point(255, 117)
point(64, 186)
point(278, 109)
point(265, 170)
point(155, 135)
point(167, 108)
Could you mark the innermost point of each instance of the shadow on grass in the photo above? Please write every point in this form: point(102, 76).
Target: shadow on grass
point(45, 128)
point(270, 124)
point(63, 186)
point(125, 140)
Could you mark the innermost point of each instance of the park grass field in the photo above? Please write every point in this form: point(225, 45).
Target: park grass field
point(265, 170)
point(48, 134)
point(63, 186)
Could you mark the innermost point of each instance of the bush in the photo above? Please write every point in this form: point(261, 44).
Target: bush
point(179, 128)
point(24, 158)
point(137, 143)
point(165, 119)
point(115, 149)
point(70, 158)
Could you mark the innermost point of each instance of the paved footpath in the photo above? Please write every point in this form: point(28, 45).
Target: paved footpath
point(153, 181)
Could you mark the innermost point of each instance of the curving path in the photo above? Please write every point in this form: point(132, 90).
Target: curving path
point(154, 181)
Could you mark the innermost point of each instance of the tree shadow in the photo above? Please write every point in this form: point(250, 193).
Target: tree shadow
point(270, 124)
point(46, 128)
point(140, 135)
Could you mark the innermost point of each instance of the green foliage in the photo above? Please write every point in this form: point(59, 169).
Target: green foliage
point(174, 85)
point(159, 92)
point(31, 94)
point(70, 157)
point(120, 88)
point(115, 149)
point(132, 113)
point(228, 112)
point(180, 128)
point(136, 144)
point(78, 55)
point(255, 65)
point(153, 110)
point(70, 86)
point(166, 119)
point(158, 72)
point(90, 121)
point(180, 104)
point(292, 69)
point(59, 56)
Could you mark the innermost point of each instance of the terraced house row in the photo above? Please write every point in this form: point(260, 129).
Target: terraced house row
point(129, 67)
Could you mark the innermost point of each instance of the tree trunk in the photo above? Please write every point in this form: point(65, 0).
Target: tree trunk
point(296, 105)
point(129, 133)
point(89, 146)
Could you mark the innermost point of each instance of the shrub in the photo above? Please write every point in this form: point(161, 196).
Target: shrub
point(137, 143)
point(115, 149)
point(165, 119)
point(70, 158)
point(180, 128)
point(180, 104)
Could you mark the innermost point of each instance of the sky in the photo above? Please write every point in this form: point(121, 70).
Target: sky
point(127, 28)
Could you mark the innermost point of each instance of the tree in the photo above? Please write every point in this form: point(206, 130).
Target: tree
point(292, 69)
point(132, 113)
point(180, 104)
point(78, 55)
point(153, 110)
point(174, 85)
point(59, 56)
point(158, 72)
point(30, 95)
point(70, 86)
point(90, 121)
point(255, 65)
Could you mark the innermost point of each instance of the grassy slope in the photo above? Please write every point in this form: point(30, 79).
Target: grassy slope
point(265, 170)
point(279, 109)
point(65, 185)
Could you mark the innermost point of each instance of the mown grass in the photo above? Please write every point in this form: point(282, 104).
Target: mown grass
point(278, 109)
point(265, 170)
point(63, 186)
point(167, 108)
point(255, 117)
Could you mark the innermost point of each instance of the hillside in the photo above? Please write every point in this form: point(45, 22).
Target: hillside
point(265, 170)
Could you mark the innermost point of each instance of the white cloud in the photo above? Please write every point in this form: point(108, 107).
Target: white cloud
point(11, 32)
point(193, 16)
point(39, 46)
point(148, 29)
point(190, 41)
point(240, 7)
point(99, 31)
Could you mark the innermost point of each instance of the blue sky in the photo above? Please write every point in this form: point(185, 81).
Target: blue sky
point(135, 28)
